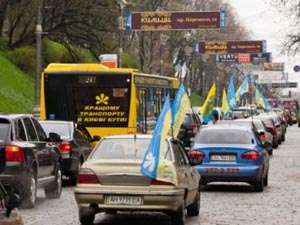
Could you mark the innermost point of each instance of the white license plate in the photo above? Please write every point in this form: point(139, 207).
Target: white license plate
point(123, 200)
point(222, 157)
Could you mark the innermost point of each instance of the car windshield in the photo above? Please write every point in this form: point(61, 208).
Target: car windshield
point(121, 148)
point(224, 136)
point(64, 130)
point(4, 129)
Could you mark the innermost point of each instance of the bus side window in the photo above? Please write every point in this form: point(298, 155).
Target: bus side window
point(141, 111)
point(151, 118)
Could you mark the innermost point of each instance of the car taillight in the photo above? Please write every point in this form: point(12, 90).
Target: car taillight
point(158, 182)
point(194, 127)
point(262, 137)
point(87, 177)
point(14, 154)
point(65, 148)
point(273, 131)
point(251, 155)
point(196, 155)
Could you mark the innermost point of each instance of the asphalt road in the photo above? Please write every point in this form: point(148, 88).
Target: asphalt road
point(221, 204)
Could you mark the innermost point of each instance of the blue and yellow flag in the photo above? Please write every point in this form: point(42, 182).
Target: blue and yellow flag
point(231, 93)
point(208, 106)
point(244, 88)
point(180, 107)
point(225, 105)
point(261, 101)
point(154, 164)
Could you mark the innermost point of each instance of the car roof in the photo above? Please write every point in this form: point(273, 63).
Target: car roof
point(125, 136)
point(228, 126)
point(56, 122)
point(12, 116)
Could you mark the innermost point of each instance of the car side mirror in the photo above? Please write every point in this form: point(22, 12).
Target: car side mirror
point(96, 138)
point(54, 137)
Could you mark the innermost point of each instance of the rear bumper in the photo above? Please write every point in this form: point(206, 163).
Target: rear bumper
point(152, 200)
point(15, 180)
point(69, 166)
point(230, 173)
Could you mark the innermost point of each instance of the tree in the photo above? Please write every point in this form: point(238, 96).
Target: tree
point(291, 10)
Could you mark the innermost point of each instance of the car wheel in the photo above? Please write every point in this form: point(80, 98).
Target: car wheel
point(266, 179)
point(178, 217)
point(259, 185)
point(29, 198)
point(87, 216)
point(194, 209)
point(54, 189)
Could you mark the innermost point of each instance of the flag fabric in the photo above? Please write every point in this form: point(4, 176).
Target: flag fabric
point(261, 101)
point(231, 93)
point(180, 107)
point(225, 105)
point(244, 88)
point(154, 164)
point(208, 106)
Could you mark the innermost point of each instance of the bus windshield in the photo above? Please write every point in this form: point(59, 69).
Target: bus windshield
point(92, 100)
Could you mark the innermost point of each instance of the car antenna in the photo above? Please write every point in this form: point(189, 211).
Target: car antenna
point(134, 141)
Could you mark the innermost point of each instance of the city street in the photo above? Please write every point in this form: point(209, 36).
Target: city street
point(220, 204)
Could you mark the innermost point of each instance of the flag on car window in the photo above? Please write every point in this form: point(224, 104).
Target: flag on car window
point(244, 88)
point(180, 106)
point(208, 106)
point(155, 165)
point(231, 93)
point(225, 105)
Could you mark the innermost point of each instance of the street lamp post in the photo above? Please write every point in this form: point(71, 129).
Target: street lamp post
point(38, 32)
point(122, 5)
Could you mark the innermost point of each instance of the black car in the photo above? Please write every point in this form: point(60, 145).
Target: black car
point(74, 145)
point(189, 128)
point(27, 158)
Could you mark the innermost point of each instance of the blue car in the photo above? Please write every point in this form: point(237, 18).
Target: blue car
point(231, 153)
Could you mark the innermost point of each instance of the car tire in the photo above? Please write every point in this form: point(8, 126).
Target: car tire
point(259, 185)
point(194, 209)
point(178, 217)
point(87, 216)
point(266, 180)
point(30, 192)
point(54, 189)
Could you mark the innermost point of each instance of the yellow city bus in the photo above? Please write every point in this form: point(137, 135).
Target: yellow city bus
point(106, 101)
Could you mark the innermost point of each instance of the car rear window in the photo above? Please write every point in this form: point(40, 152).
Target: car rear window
point(224, 136)
point(4, 129)
point(64, 130)
point(121, 148)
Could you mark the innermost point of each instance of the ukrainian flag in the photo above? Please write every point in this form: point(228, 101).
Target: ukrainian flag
point(154, 164)
point(261, 101)
point(208, 106)
point(244, 88)
point(231, 93)
point(180, 107)
point(225, 105)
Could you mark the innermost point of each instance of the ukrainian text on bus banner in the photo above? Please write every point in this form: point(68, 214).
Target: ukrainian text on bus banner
point(224, 47)
point(163, 21)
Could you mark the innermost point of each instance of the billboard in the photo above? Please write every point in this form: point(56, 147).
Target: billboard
point(281, 85)
point(170, 20)
point(274, 66)
point(244, 58)
point(234, 47)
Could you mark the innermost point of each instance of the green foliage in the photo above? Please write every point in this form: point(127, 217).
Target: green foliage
point(3, 44)
point(16, 90)
point(196, 100)
point(130, 61)
point(57, 53)
point(23, 57)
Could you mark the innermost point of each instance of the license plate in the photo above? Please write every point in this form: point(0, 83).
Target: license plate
point(222, 157)
point(123, 200)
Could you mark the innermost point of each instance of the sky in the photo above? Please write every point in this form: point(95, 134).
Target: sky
point(266, 23)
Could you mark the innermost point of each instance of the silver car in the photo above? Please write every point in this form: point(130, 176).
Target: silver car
point(110, 181)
